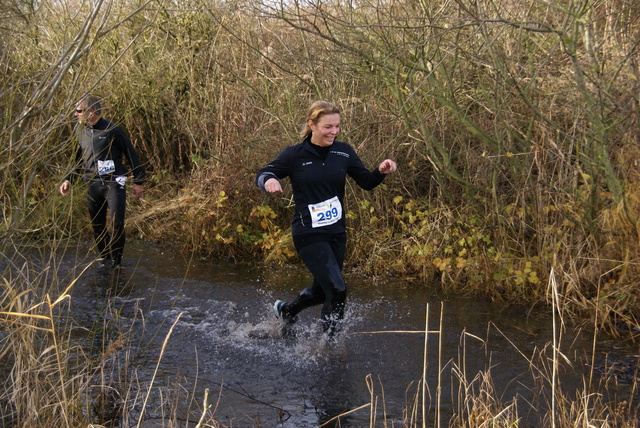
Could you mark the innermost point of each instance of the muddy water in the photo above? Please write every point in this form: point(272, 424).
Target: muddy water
point(225, 338)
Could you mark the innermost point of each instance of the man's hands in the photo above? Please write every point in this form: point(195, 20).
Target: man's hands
point(65, 187)
point(137, 190)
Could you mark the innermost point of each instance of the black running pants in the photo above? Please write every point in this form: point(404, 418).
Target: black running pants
point(324, 259)
point(107, 205)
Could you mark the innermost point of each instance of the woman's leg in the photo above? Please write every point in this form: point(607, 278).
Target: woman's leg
point(324, 260)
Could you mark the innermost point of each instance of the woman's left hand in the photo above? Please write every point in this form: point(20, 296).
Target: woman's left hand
point(387, 166)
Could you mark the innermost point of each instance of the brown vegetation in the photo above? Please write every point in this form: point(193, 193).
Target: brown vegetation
point(515, 128)
point(514, 125)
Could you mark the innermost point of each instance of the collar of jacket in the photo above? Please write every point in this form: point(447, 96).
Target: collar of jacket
point(309, 146)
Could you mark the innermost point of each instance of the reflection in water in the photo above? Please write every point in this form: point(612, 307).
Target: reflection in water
point(225, 338)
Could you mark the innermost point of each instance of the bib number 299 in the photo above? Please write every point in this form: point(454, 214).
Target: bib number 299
point(325, 213)
point(328, 215)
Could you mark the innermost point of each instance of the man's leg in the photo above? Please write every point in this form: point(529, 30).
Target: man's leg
point(97, 204)
point(117, 201)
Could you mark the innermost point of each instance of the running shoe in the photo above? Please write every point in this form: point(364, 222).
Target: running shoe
point(105, 261)
point(277, 307)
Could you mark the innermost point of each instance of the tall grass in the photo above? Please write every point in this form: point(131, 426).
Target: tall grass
point(515, 126)
point(476, 402)
point(61, 373)
point(517, 121)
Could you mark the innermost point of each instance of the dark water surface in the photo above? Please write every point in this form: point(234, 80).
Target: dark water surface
point(227, 339)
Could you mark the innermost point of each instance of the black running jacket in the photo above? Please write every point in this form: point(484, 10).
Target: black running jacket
point(318, 184)
point(102, 150)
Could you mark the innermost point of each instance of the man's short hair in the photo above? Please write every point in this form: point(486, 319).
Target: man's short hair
point(92, 102)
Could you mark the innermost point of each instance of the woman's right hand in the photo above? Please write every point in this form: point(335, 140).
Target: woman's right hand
point(272, 185)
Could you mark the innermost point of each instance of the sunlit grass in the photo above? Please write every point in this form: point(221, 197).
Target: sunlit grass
point(514, 125)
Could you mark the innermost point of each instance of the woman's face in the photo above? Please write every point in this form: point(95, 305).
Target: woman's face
point(324, 132)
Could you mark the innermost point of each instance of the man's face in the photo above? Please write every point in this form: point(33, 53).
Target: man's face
point(82, 114)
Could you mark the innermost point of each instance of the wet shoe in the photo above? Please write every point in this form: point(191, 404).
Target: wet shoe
point(331, 328)
point(287, 331)
point(278, 308)
point(116, 261)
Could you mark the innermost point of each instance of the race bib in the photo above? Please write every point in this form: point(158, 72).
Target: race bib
point(325, 213)
point(106, 167)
